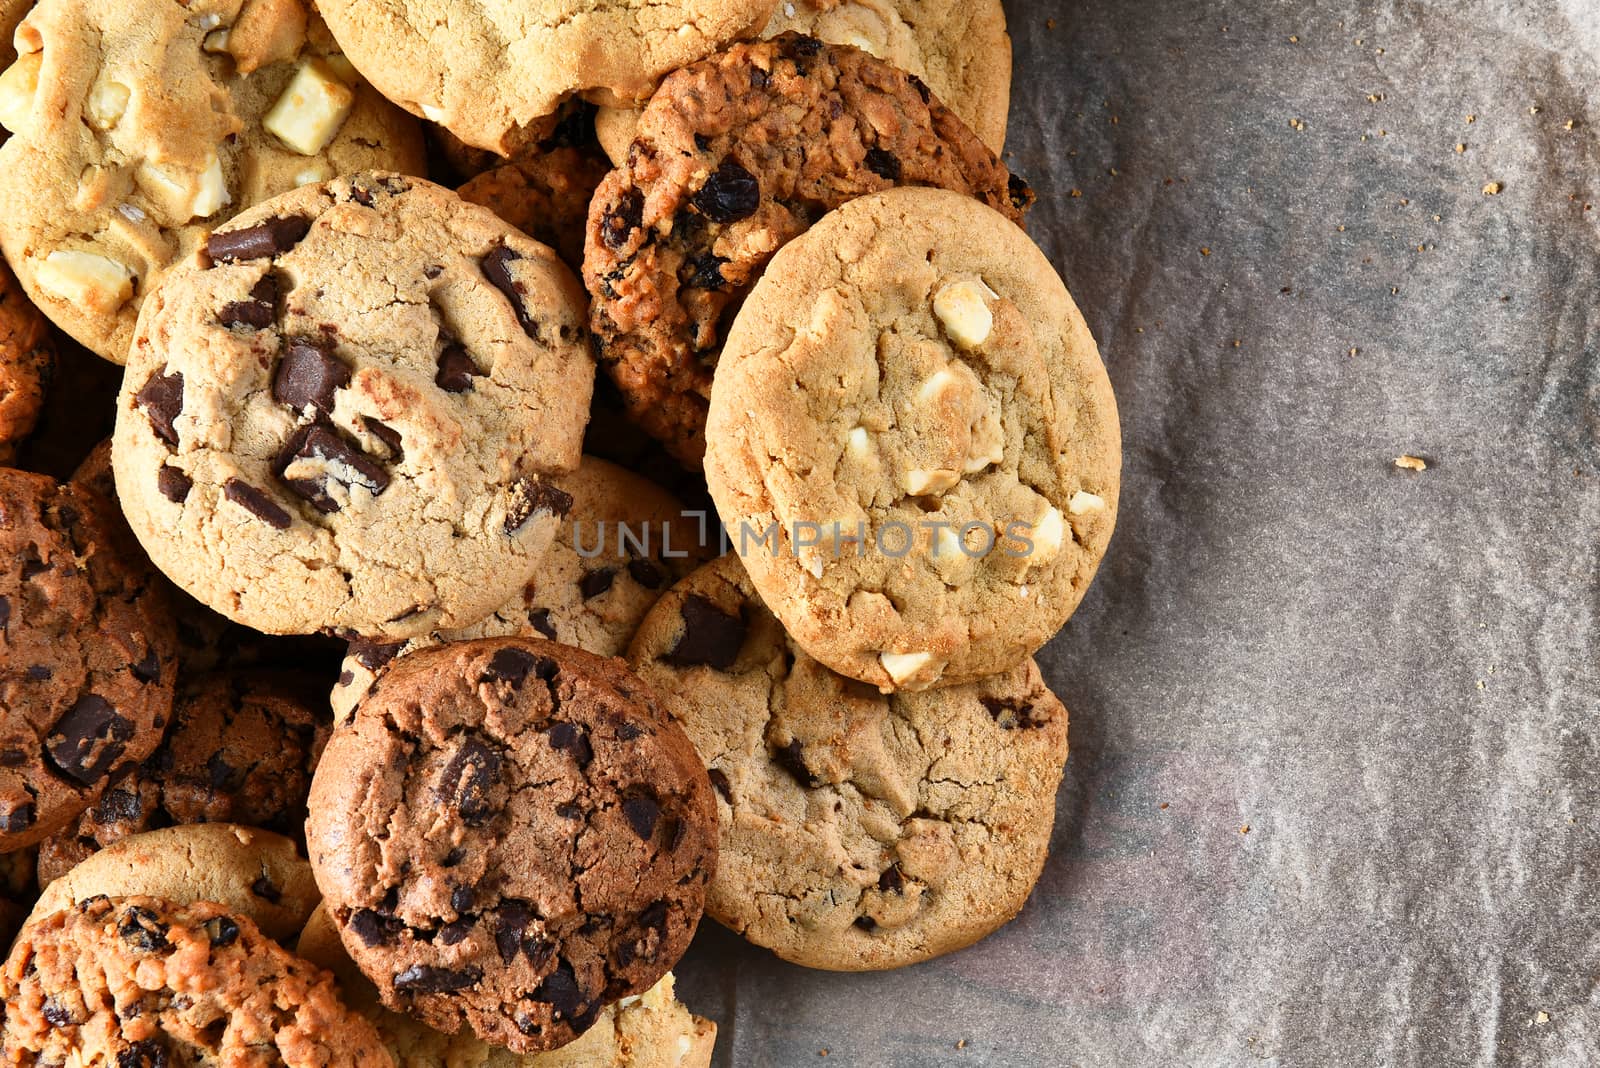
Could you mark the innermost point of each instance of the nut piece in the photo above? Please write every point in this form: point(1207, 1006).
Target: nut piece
point(965, 313)
point(311, 109)
point(1049, 530)
point(107, 101)
point(85, 278)
point(17, 86)
point(903, 667)
point(918, 483)
point(1084, 502)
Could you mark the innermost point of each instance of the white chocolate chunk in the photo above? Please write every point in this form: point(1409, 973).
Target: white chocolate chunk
point(902, 666)
point(318, 170)
point(918, 483)
point(213, 192)
point(1084, 502)
point(311, 109)
point(18, 84)
point(941, 380)
point(859, 442)
point(433, 113)
point(85, 278)
point(965, 313)
point(685, 1047)
point(106, 104)
point(1048, 532)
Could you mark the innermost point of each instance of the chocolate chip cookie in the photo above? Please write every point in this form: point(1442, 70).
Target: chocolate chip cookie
point(622, 544)
point(509, 834)
point(735, 156)
point(350, 414)
point(913, 436)
point(858, 831)
point(495, 74)
point(139, 127)
point(87, 656)
point(27, 358)
point(141, 981)
point(241, 749)
point(545, 194)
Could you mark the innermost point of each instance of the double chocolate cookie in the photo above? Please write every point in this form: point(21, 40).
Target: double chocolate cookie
point(86, 656)
point(510, 834)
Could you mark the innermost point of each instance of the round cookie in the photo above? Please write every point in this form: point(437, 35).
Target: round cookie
point(911, 403)
point(495, 74)
point(27, 358)
point(858, 830)
point(622, 544)
point(715, 184)
point(545, 194)
point(241, 750)
point(509, 834)
point(649, 1030)
point(345, 416)
point(139, 127)
point(87, 656)
point(959, 48)
point(143, 981)
point(250, 872)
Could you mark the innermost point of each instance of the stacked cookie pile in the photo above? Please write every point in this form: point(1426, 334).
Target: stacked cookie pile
point(364, 701)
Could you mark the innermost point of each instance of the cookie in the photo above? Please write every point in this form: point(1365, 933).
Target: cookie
point(17, 892)
point(509, 834)
point(27, 358)
point(649, 1030)
point(139, 127)
point(143, 981)
point(622, 544)
point(451, 161)
point(250, 872)
point(913, 437)
point(345, 416)
point(495, 74)
point(735, 156)
point(544, 194)
point(87, 656)
point(71, 420)
point(959, 48)
point(858, 830)
point(241, 750)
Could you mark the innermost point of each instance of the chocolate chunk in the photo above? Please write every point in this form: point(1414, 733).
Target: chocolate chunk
point(456, 369)
point(12, 758)
point(309, 375)
point(569, 811)
point(622, 219)
point(88, 740)
point(731, 193)
point(330, 460)
point(866, 923)
point(791, 758)
point(256, 503)
point(804, 46)
point(1011, 714)
point(461, 898)
point(710, 636)
point(16, 818)
point(561, 992)
point(510, 664)
point(117, 806)
point(572, 740)
point(471, 773)
point(386, 434)
point(222, 931)
point(891, 881)
point(374, 929)
point(539, 620)
point(271, 238)
point(149, 668)
point(264, 889)
point(161, 397)
point(510, 930)
point(654, 916)
point(255, 313)
point(141, 929)
point(452, 933)
point(374, 656)
point(55, 1015)
point(719, 779)
point(39, 673)
point(530, 495)
point(173, 483)
point(423, 979)
point(454, 857)
point(594, 583)
point(646, 574)
point(921, 87)
point(497, 269)
point(759, 79)
point(642, 813)
point(1020, 193)
point(883, 164)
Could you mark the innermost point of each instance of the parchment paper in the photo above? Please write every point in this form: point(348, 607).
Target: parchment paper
point(1388, 677)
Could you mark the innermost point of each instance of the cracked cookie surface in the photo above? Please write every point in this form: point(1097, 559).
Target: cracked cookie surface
point(624, 541)
point(138, 127)
point(142, 981)
point(510, 834)
point(353, 413)
point(27, 360)
point(241, 750)
point(858, 830)
point(735, 156)
point(87, 656)
point(912, 406)
point(491, 71)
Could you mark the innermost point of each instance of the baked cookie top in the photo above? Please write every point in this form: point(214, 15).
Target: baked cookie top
point(509, 834)
point(138, 127)
point(858, 830)
point(910, 400)
point(87, 656)
point(735, 156)
point(346, 413)
point(488, 70)
point(143, 981)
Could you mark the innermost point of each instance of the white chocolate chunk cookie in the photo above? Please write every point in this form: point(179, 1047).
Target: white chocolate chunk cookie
point(137, 127)
point(622, 544)
point(913, 369)
point(352, 411)
point(649, 1030)
point(494, 72)
point(858, 830)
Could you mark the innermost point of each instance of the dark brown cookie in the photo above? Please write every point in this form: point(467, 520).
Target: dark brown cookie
point(545, 194)
point(87, 655)
point(735, 156)
point(27, 358)
point(143, 983)
point(241, 749)
point(509, 835)
point(16, 891)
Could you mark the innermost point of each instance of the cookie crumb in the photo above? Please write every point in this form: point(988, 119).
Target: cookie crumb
point(962, 1044)
point(1245, 829)
point(1163, 806)
point(1204, 251)
point(1492, 189)
point(1460, 147)
point(1542, 1018)
point(1411, 463)
point(1297, 124)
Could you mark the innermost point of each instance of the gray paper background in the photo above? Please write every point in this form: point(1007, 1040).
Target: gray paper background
point(1389, 677)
